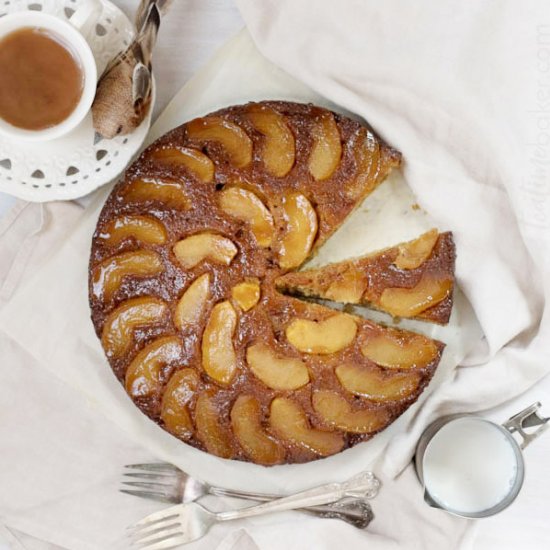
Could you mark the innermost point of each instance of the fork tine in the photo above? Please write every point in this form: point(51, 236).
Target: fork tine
point(169, 491)
point(147, 484)
point(145, 475)
point(158, 516)
point(167, 543)
point(152, 495)
point(154, 466)
point(154, 528)
point(159, 534)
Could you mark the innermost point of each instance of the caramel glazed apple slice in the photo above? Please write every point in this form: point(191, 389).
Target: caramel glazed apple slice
point(182, 287)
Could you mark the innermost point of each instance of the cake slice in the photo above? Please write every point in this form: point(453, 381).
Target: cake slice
point(414, 279)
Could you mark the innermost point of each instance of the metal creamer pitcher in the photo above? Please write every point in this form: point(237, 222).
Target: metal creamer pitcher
point(528, 418)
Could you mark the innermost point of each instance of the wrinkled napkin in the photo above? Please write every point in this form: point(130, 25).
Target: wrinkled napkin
point(458, 88)
point(462, 89)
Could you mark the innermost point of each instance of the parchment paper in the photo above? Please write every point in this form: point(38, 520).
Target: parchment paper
point(50, 315)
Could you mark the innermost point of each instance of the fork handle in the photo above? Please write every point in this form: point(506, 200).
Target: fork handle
point(258, 497)
point(355, 511)
point(365, 484)
point(343, 511)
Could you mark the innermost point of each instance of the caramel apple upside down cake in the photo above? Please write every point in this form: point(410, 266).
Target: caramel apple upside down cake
point(193, 272)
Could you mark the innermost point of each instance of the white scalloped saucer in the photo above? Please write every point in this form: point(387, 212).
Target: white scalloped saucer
point(80, 162)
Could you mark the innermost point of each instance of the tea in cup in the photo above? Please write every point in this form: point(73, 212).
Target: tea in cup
point(48, 73)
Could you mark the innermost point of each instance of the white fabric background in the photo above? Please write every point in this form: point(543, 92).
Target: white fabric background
point(190, 34)
point(471, 80)
point(237, 74)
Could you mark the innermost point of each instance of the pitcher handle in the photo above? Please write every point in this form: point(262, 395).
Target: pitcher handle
point(527, 418)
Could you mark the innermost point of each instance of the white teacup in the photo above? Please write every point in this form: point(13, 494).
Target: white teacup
point(72, 33)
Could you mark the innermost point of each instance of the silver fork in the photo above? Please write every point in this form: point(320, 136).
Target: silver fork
point(188, 522)
point(167, 483)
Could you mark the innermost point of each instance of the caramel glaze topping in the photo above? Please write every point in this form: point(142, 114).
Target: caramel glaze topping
point(268, 426)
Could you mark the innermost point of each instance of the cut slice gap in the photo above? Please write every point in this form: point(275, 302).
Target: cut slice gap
point(365, 314)
point(421, 289)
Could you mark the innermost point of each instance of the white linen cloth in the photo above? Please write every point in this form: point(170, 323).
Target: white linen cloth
point(462, 89)
point(70, 340)
point(510, 307)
